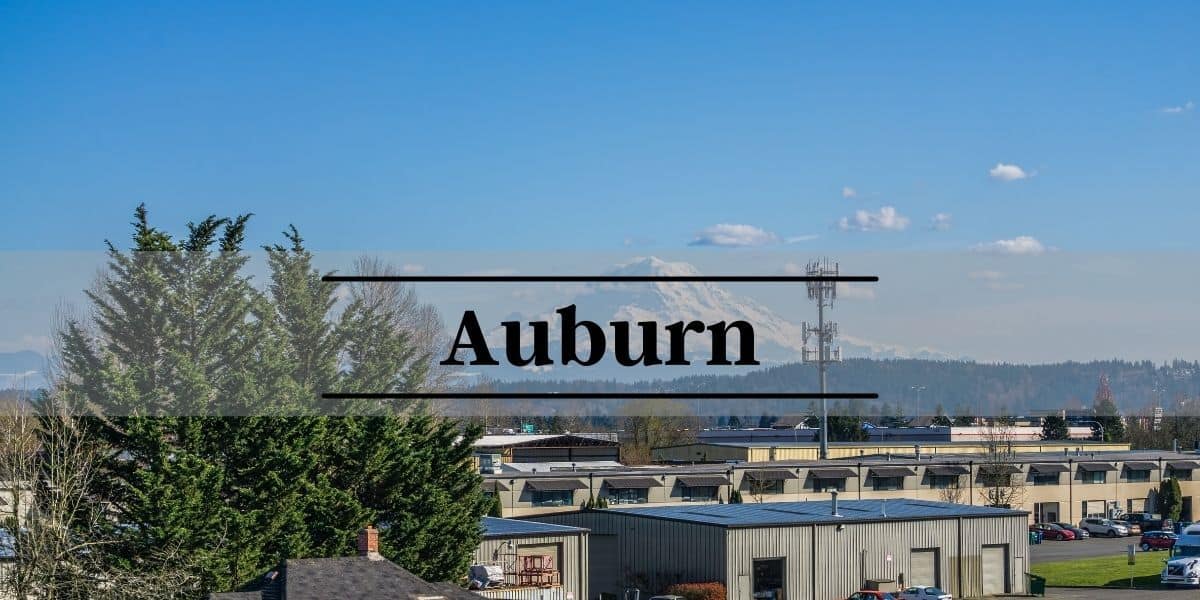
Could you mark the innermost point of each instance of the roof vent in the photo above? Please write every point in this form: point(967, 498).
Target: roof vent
point(833, 494)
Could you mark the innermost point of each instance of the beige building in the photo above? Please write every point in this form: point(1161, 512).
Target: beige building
point(1051, 486)
point(778, 451)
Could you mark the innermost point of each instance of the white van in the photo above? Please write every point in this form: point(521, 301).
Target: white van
point(1184, 566)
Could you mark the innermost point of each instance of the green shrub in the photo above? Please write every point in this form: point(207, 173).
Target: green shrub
point(698, 591)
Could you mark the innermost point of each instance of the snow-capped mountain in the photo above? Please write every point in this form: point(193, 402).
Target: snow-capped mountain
point(777, 340)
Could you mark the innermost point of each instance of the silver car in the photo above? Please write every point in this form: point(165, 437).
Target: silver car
point(1106, 527)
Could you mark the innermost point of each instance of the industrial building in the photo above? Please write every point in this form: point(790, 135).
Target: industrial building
point(775, 450)
point(493, 451)
point(1053, 486)
point(924, 435)
point(807, 550)
point(532, 561)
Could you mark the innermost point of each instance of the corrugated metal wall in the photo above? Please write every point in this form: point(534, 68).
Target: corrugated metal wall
point(794, 544)
point(652, 553)
point(525, 594)
point(649, 554)
point(573, 567)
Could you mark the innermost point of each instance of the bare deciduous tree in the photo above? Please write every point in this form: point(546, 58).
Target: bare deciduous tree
point(1001, 482)
point(64, 548)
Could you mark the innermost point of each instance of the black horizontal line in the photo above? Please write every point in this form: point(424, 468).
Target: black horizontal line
point(599, 395)
point(601, 278)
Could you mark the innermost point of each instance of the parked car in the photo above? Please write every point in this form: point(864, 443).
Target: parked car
point(1080, 533)
point(1050, 531)
point(871, 595)
point(1105, 527)
point(1158, 540)
point(1134, 528)
point(1150, 522)
point(924, 592)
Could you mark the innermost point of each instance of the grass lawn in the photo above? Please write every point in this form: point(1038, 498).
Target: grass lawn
point(1104, 571)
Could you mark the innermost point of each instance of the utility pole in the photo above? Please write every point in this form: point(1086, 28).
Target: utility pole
point(823, 292)
point(918, 388)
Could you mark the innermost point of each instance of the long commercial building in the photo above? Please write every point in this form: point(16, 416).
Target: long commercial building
point(806, 550)
point(766, 451)
point(1051, 486)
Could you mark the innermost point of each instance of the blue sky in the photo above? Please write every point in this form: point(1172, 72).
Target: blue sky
point(604, 125)
point(1007, 168)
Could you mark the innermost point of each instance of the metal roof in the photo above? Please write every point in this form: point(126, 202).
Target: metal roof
point(702, 480)
point(555, 485)
point(805, 513)
point(947, 470)
point(1091, 467)
point(629, 483)
point(1050, 468)
point(771, 474)
point(890, 472)
point(833, 473)
point(1183, 465)
point(1141, 466)
point(494, 527)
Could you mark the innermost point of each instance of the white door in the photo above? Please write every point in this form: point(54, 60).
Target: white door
point(922, 567)
point(995, 569)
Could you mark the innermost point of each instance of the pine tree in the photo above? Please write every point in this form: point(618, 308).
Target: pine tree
point(1055, 427)
point(1170, 499)
point(1104, 409)
point(217, 444)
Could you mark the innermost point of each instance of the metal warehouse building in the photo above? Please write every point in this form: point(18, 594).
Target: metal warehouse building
point(803, 550)
point(540, 561)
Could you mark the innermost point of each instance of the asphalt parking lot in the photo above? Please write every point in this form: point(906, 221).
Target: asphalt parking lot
point(1054, 551)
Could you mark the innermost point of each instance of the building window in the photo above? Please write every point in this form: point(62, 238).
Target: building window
point(700, 493)
point(768, 578)
point(1182, 474)
point(889, 483)
point(943, 482)
point(1095, 476)
point(1044, 478)
point(829, 484)
point(628, 496)
point(1137, 475)
point(553, 497)
point(761, 487)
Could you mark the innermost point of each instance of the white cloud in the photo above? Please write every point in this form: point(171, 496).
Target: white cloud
point(941, 222)
point(1005, 172)
point(731, 236)
point(885, 219)
point(855, 291)
point(412, 269)
point(849, 192)
point(796, 239)
point(1182, 108)
point(1022, 245)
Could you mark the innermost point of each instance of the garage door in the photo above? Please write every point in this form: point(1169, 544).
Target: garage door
point(922, 567)
point(995, 569)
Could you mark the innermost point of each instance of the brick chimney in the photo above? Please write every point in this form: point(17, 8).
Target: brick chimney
point(368, 543)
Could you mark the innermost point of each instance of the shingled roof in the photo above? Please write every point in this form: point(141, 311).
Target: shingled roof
point(365, 577)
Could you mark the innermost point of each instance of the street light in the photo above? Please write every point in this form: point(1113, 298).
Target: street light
point(1097, 424)
point(919, 388)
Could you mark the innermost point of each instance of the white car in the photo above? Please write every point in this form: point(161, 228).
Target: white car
point(924, 592)
point(1096, 526)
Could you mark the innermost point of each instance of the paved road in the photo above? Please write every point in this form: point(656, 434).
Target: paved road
point(1114, 594)
point(1053, 551)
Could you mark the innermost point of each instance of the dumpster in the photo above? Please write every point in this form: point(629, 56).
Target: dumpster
point(1037, 584)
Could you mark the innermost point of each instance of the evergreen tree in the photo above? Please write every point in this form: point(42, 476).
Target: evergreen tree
point(1105, 412)
point(1054, 427)
point(1170, 499)
point(496, 508)
point(216, 440)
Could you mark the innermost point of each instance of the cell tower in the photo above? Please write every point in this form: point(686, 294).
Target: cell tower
point(823, 292)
